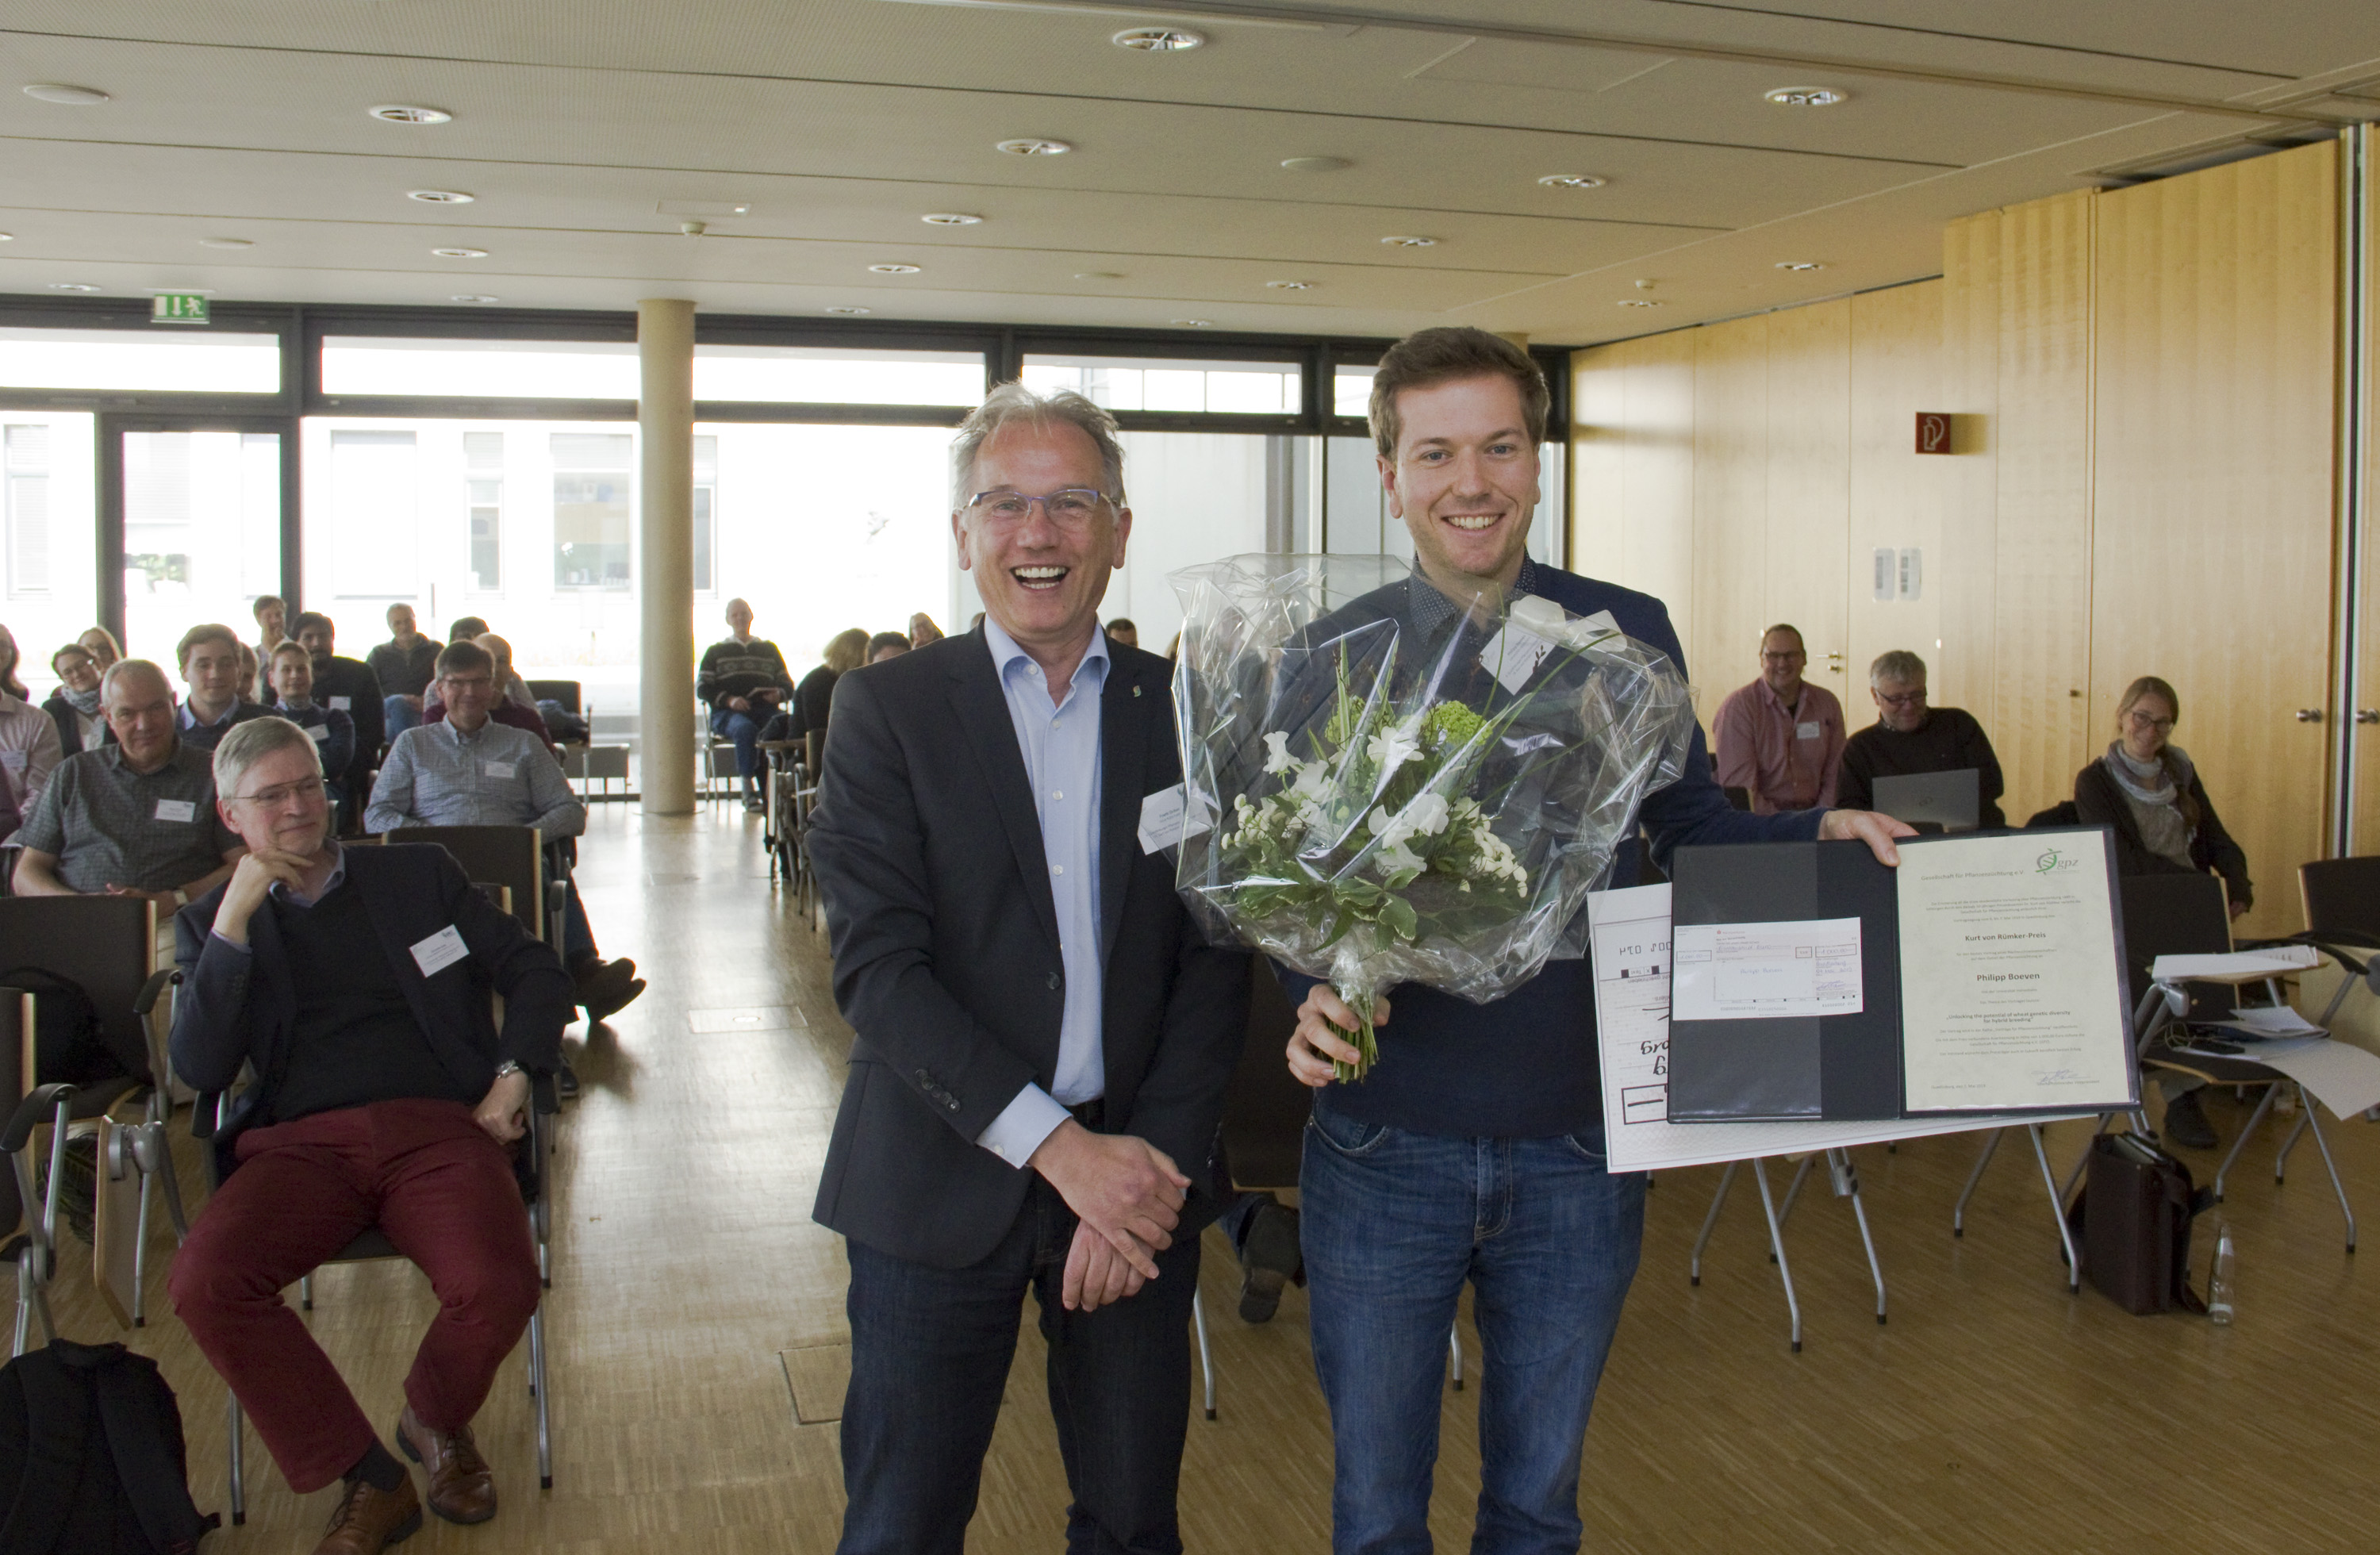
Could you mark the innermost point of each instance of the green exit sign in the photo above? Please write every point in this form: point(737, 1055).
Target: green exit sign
point(179, 307)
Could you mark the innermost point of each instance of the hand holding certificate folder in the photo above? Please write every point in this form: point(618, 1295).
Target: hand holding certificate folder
point(1983, 975)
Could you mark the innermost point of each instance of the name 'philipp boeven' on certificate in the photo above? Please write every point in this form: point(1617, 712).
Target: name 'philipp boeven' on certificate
point(2012, 996)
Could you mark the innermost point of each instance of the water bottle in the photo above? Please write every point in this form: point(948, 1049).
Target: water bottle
point(2219, 1283)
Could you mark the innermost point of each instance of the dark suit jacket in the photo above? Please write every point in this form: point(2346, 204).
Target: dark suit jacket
point(237, 1009)
point(946, 953)
point(2098, 801)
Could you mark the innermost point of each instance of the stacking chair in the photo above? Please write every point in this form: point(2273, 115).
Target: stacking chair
point(30, 1217)
point(108, 946)
point(711, 745)
point(566, 692)
point(512, 856)
point(2341, 897)
point(206, 1117)
point(1844, 1178)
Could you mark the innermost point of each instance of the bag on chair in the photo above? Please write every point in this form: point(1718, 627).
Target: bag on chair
point(91, 1456)
point(2132, 1224)
point(70, 1044)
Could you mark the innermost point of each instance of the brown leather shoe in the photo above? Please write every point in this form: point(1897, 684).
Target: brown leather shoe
point(461, 1488)
point(370, 1519)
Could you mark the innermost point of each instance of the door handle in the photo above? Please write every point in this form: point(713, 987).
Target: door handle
point(2308, 715)
point(2367, 715)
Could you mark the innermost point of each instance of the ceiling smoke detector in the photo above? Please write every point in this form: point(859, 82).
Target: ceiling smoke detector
point(1411, 242)
point(1806, 97)
point(894, 268)
point(460, 253)
point(848, 312)
point(1573, 181)
point(50, 92)
point(1158, 40)
point(407, 113)
point(440, 197)
point(1799, 265)
point(951, 218)
point(1034, 146)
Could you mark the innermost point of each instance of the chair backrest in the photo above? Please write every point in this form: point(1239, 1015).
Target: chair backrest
point(2341, 894)
point(604, 762)
point(503, 856)
point(15, 1059)
point(566, 692)
point(108, 944)
point(2174, 914)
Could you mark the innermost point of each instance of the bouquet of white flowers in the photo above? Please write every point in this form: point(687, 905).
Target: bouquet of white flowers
point(1384, 785)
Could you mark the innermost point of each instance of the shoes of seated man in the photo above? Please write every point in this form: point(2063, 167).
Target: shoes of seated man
point(461, 1487)
point(605, 987)
point(1269, 1260)
point(370, 1519)
point(753, 804)
point(2185, 1123)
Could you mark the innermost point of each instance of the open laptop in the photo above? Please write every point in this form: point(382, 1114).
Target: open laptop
point(1933, 801)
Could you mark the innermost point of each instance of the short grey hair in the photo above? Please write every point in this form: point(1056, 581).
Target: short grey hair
point(129, 669)
point(246, 744)
point(1898, 665)
point(1013, 404)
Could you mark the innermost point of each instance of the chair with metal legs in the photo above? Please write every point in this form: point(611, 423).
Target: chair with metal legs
point(29, 1218)
point(1842, 1175)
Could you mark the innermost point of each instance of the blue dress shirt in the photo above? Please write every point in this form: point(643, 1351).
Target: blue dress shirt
point(1060, 746)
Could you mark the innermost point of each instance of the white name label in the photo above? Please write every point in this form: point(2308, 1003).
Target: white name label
point(177, 809)
point(439, 952)
point(339, 704)
point(1166, 819)
point(319, 732)
point(14, 761)
point(498, 769)
point(1513, 655)
point(1807, 731)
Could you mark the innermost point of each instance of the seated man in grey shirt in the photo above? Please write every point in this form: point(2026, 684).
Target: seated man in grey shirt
point(133, 818)
point(467, 770)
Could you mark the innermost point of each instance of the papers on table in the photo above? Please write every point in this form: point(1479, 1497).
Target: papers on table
point(1629, 950)
point(2274, 1020)
point(2345, 1079)
point(2013, 998)
point(2276, 961)
point(1762, 971)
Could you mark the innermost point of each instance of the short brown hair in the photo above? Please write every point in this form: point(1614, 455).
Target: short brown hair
point(1446, 355)
point(205, 632)
point(462, 658)
point(291, 645)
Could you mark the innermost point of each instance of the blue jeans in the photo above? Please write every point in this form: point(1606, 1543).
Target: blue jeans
point(1394, 1223)
point(729, 725)
point(930, 1356)
point(401, 714)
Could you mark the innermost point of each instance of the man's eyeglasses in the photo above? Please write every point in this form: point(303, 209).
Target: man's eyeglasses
point(305, 791)
point(1906, 699)
point(1069, 507)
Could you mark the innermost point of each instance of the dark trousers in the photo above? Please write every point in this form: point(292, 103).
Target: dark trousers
point(930, 1349)
point(438, 1189)
point(745, 731)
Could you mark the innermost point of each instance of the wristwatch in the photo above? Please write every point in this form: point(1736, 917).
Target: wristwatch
point(507, 1067)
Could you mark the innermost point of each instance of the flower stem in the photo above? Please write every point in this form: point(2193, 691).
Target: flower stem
point(1367, 1043)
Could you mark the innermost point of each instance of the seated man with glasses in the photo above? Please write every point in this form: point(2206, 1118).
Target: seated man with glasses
point(467, 770)
point(357, 985)
point(1909, 737)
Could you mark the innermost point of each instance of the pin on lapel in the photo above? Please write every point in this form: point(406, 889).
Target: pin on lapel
point(1135, 690)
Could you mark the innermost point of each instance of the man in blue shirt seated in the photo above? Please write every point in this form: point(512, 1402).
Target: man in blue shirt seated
point(356, 986)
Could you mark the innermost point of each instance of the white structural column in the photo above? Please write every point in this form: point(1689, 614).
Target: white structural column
point(665, 553)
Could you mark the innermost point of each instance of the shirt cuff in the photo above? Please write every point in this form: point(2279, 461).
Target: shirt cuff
point(1032, 1117)
point(215, 938)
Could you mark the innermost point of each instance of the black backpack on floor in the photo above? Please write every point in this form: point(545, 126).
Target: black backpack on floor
point(91, 1456)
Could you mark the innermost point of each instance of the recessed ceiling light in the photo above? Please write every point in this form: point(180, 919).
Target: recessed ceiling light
point(1411, 242)
point(1158, 39)
point(72, 286)
point(1292, 285)
point(894, 269)
point(473, 296)
point(704, 208)
point(1799, 265)
point(225, 243)
point(440, 197)
point(406, 113)
point(951, 218)
point(1195, 324)
point(1638, 302)
point(460, 253)
point(1034, 146)
point(847, 310)
point(7, 237)
point(1806, 97)
point(1573, 181)
point(1315, 164)
point(52, 93)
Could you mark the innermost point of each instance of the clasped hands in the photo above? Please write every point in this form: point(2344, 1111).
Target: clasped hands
point(1127, 1195)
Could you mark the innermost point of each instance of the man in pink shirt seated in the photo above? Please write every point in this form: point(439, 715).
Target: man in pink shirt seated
point(1780, 739)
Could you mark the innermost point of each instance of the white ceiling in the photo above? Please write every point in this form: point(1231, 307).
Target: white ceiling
point(841, 122)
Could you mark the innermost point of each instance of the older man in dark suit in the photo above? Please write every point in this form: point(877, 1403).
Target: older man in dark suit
point(1042, 1038)
point(357, 981)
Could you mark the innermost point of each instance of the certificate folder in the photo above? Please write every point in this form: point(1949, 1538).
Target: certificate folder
point(1828, 1066)
point(1988, 978)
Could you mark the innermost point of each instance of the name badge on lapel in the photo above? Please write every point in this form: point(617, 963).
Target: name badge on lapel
point(1166, 818)
point(498, 769)
point(1808, 731)
point(440, 951)
point(340, 704)
point(177, 809)
point(319, 732)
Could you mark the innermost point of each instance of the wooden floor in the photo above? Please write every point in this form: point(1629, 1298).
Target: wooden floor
point(697, 1328)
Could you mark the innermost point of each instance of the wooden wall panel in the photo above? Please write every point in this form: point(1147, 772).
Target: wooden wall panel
point(1898, 495)
point(1965, 580)
point(1658, 471)
point(2039, 720)
point(1809, 482)
point(1730, 533)
point(1598, 437)
point(2217, 315)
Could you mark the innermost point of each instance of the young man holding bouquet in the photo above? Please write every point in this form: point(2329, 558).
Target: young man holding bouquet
point(1474, 1150)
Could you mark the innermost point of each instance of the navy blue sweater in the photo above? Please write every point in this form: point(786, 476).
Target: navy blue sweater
point(1525, 1065)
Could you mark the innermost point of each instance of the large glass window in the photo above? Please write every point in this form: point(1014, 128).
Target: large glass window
point(199, 362)
point(479, 369)
point(1237, 388)
point(48, 577)
point(592, 538)
point(483, 462)
point(706, 513)
point(376, 543)
point(836, 375)
point(201, 533)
